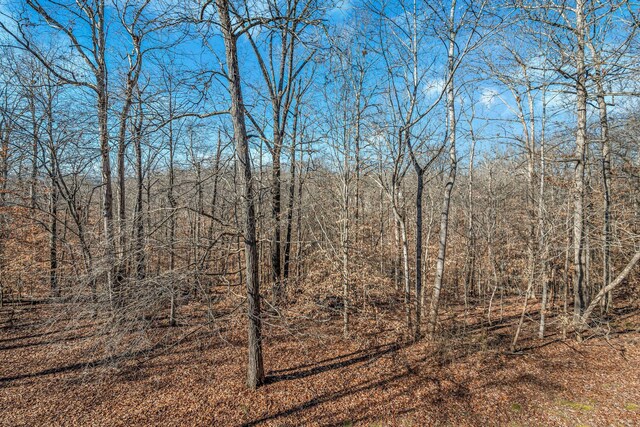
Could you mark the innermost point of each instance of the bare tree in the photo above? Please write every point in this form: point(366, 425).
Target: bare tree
point(91, 20)
point(454, 21)
point(281, 65)
point(255, 370)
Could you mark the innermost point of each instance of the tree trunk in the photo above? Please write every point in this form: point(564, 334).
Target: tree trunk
point(471, 238)
point(53, 205)
point(580, 159)
point(172, 216)
point(405, 273)
point(605, 290)
point(356, 159)
point(292, 186)
point(606, 187)
point(214, 196)
point(299, 222)
point(107, 199)
point(531, 196)
point(34, 153)
point(542, 238)
point(122, 213)
point(140, 267)
point(255, 371)
point(4, 174)
point(122, 146)
point(403, 251)
point(418, 311)
point(102, 107)
point(276, 208)
point(345, 242)
point(453, 164)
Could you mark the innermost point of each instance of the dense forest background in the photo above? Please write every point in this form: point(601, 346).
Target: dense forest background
point(426, 171)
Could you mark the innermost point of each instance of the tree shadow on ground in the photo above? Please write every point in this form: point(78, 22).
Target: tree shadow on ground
point(448, 394)
point(325, 365)
point(139, 355)
point(327, 397)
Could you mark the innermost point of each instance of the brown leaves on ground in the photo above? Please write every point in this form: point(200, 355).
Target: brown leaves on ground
point(51, 374)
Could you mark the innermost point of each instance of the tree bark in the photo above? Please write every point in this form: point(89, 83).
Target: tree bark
point(107, 195)
point(580, 160)
point(606, 178)
point(5, 133)
point(471, 235)
point(418, 308)
point(542, 231)
point(172, 212)
point(453, 164)
point(102, 106)
point(292, 186)
point(34, 152)
point(138, 218)
point(276, 209)
point(255, 369)
point(53, 203)
point(345, 238)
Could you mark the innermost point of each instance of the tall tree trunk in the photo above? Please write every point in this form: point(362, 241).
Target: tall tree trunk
point(276, 209)
point(34, 153)
point(580, 160)
point(357, 163)
point(565, 277)
point(122, 146)
point(405, 273)
point(542, 237)
point(102, 107)
point(4, 175)
point(172, 220)
point(606, 185)
point(255, 371)
point(425, 256)
point(418, 309)
point(197, 257)
point(345, 274)
point(4, 158)
point(531, 193)
point(404, 252)
point(214, 196)
point(453, 165)
point(299, 221)
point(471, 238)
point(107, 197)
point(122, 233)
point(140, 266)
point(292, 185)
point(530, 203)
point(345, 242)
point(53, 205)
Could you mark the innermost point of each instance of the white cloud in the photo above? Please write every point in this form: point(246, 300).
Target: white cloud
point(488, 97)
point(433, 87)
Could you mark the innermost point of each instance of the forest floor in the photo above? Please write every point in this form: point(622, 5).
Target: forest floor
point(71, 372)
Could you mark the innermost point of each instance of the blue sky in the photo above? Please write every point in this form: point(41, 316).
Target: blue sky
point(196, 58)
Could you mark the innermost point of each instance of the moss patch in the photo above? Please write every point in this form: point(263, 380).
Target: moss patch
point(578, 406)
point(516, 407)
point(631, 407)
